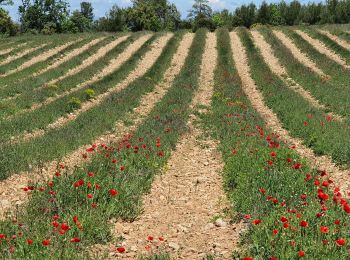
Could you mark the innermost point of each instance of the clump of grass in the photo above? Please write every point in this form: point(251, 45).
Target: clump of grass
point(90, 94)
point(74, 104)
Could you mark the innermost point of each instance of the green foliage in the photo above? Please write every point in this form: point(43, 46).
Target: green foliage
point(74, 104)
point(42, 14)
point(90, 94)
point(7, 26)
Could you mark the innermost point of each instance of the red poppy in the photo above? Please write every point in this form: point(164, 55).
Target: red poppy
point(256, 221)
point(296, 166)
point(122, 168)
point(269, 162)
point(120, 250)
point(284, 219)
point(90, 196)
point(274, 232)
point(301, 253)
point(285, 225)
point(75, 240)
point(324, 229)
point(113, 192)
point(46, 242)
point(325, 242)
point(55, 224)
point(340, 242)
point(262, 190)
point(161, 239)
point(248, 258)
point(91, 174)
point(304, 223)
point(273, 154)
point(273, 258)
point(337, 222)
point(65, 227)
point(150, 238)
point(94, 205)
point(247, 216)
point(29, 242)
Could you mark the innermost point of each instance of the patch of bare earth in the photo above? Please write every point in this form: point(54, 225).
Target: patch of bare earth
point(91, 60)
point(301, 57)
point(144, 64)
point(11, 193)
point(42, 57)
point(20, 55)
point(276, 67)
point(340, 177)
point(69, 56)
point(183, 202)
point(319, 46)
point(335, 38)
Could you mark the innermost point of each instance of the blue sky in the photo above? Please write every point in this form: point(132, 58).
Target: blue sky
point(102, 6)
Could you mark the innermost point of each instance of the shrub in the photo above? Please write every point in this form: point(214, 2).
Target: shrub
point(90, 94)
point(73, 104)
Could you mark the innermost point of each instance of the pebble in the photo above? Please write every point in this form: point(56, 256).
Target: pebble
point(220, 223)
point(174, 246)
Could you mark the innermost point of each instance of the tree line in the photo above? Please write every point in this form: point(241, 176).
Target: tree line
point(53, 16)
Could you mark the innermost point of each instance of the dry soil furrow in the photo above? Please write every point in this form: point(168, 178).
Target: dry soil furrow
point(275, 66)
point(20, 55)
point(11, 194)
point(184, 200)
point(7, 51)
point(42, 57)
point(335, 38)
point(69, 56)
point(301, 57)
point(91, 60)
point(340, 177)
point(113, 65)
point(319, 46)
point(144, 64)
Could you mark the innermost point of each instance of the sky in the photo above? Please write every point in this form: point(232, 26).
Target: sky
point(102, 6)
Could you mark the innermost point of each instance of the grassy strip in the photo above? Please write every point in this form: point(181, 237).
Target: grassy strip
point(14, 51)
point(332, 45)
point(55, 42)
point(74, 128)
point(336, 100)
point(300, 118)
point(338, 73)
point(27, 88)
point(263, 179)
point(131, 174)
point(13, 79)
point(47, 114)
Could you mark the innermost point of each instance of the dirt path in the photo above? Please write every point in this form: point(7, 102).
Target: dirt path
point(143, 66)
point(92, 59)
point(69, 56)
point(275, 66)
point(320, 47)
point(11, 193)
point(113, 65)
point(184, 201)
point(301, 57)
point(335, 38)
point(20, 55)
point(340, 177)
point(42, 57)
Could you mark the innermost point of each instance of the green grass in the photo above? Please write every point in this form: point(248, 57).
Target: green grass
point(336, 100)
point(47, 114)
point(324, 137)
point(171, 112)
point(339, 75)
point(246, 146)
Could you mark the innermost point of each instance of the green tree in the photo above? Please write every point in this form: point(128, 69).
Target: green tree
point(245, 15)
point(79, 22)
point(6, 2)
point(43, 13)
point(87, 10)
point(201, 9)
point(264, 14)
point(7, 27)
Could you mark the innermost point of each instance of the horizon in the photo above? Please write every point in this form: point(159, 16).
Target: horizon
point(101, 7)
